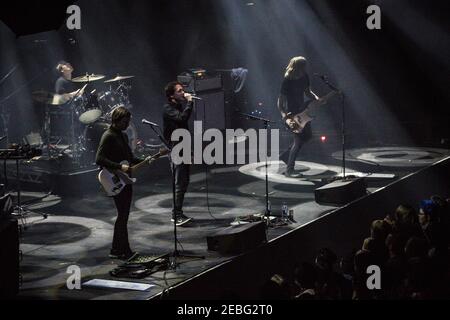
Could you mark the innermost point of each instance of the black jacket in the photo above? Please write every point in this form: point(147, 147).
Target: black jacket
point(175, 117)
point(113, 149)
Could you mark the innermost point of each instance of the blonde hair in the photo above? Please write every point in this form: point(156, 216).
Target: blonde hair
point(294, 67)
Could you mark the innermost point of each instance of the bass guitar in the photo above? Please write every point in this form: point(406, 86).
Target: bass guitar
point(300, 120)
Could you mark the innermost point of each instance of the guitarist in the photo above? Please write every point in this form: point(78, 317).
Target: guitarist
point(112, 150)
point(291, 101)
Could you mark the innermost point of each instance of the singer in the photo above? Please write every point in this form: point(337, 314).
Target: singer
point(294, 87)
point(176, 114)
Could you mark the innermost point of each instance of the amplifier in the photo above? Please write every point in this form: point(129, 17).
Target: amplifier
point(205, 83)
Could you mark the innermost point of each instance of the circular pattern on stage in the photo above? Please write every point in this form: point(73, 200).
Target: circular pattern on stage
point(100, 234)
point(310, 171)
point(152, 227)
point(53, 231)
point(160, 205)
point(395, 156)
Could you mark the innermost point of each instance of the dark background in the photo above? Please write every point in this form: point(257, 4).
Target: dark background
point(395, 79)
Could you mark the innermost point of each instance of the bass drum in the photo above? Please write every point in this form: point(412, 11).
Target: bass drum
point(93, 133)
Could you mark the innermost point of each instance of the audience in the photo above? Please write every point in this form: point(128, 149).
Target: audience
point(411, 248)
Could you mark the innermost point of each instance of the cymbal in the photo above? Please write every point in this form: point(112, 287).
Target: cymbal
point(49, 98)
point(119, 78)
point(89, 78)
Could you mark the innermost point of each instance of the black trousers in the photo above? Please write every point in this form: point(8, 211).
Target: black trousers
point(181, 178)
point(120, 238)
point(299, 139)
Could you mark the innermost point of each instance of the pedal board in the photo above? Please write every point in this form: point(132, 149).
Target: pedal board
point(141, 266)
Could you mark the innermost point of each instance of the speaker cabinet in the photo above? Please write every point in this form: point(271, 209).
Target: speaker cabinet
point(341, 192)
point(9, 258)
point(210, 110)
point(238, 239)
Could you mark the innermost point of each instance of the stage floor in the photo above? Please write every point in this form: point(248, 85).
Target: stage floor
point(78, 230)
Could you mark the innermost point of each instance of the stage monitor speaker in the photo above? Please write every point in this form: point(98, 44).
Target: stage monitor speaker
point(210, 110)
point(341, 192)
point(238, 239)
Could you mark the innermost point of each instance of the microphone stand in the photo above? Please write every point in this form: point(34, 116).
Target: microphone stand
point(343, 127)
point(176, 254)
point(266, 125)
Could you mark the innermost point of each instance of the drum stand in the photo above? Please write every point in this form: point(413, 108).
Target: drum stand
point(74, 140)
point(20, 211)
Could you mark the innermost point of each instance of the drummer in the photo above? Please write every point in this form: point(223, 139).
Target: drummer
point(64, 85)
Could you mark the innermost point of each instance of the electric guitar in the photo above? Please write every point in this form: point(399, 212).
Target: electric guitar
point(113, 182)
point(300, 120)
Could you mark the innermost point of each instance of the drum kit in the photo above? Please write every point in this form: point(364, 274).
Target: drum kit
point(88, 115)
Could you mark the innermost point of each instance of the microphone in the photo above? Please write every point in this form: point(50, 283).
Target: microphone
point(149, 123)
point(194, 97)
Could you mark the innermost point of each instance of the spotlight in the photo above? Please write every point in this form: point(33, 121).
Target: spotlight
point(323, 138)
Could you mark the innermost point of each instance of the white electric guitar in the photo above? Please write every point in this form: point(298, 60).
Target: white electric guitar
point(113, 182)
point(300, 120)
